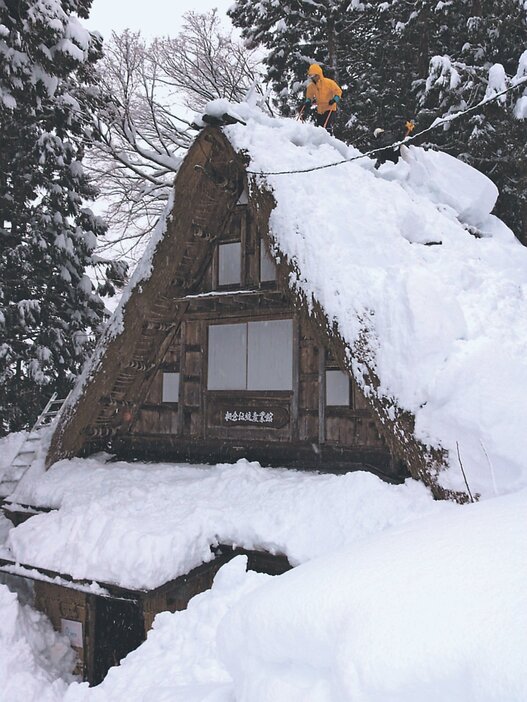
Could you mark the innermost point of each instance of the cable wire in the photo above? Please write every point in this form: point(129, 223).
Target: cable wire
point(437, 123)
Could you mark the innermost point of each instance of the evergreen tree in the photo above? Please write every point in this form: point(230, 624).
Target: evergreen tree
point(474, 55)
point(48, 308)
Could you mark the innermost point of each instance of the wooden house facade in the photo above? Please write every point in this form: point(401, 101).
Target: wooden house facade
point(218, 358)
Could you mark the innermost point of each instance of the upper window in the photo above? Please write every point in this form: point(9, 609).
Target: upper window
point(251, 356)
point(230, 263)
point(337, 388)
point(267, 265)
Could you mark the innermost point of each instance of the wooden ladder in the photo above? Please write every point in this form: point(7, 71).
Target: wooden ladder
point(28, 450)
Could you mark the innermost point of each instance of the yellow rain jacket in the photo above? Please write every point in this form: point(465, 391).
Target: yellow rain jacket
point(322, 91)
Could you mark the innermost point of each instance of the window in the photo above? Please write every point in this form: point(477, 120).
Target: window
point(267, 264)
point(230, 263)
point(227, 357)
point(270, 355)
point(337, 388)
point(251, 356)
point(244, 198)
point(170, 387)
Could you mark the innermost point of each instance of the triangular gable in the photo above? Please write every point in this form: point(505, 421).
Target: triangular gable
point(206, 191)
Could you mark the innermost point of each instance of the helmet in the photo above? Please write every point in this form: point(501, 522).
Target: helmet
point(377, 132)
point(314, 70)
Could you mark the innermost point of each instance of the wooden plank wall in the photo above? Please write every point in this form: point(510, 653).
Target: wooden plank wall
point(199, 412)
point(300, 417)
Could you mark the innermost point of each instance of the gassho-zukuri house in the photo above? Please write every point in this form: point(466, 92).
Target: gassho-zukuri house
point(320, 320)
point(298, 308)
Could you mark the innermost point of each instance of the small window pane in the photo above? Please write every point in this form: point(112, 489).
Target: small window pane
point(170, 387)
point(267, 264)
point(337, 388)
point(244, 198)
point(229, 263)
point(227, 357)
point(270, 355)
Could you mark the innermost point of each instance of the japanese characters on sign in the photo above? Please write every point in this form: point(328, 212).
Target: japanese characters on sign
point(246, 417)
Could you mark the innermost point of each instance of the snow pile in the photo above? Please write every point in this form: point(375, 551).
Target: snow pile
point(142, 525)
point(35, 661)
point(179, 661)
point(434, 611)
point(447, 180)
point(434, 608)
point(445, 324)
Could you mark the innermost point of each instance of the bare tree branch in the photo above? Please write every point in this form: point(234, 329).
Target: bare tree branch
point(153, 89)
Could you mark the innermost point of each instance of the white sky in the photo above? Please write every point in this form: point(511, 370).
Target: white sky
point(153, 18)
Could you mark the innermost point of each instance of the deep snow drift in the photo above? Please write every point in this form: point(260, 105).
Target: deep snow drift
point(396, 597)
point(34, 660)
point(435, 610)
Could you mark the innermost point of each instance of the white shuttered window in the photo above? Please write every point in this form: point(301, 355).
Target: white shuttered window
point(170, 387)
point(251, 356)
point(267, 265)
point(337, 388)
point(230, 263)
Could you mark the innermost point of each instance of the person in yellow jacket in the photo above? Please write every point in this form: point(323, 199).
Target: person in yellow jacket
point(325, 93)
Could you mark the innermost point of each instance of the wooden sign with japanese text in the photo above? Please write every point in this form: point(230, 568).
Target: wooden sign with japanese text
point(235, 415)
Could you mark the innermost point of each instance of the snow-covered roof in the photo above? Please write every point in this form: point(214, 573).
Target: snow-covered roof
point(141, 525)
point(408, 261)
point(414, 270)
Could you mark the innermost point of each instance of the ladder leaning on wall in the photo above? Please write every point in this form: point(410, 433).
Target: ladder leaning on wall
point(28, 450)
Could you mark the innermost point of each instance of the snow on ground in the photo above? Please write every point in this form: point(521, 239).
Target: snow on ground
point(428, 602)
point(446, 323)
point(435, 610)
point(140, 525)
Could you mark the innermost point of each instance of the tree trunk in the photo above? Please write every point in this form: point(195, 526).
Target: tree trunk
point(523, 230)
point(332, 50)
point(423, 58)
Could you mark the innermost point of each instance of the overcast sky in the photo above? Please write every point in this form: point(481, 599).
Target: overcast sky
point(153, 18)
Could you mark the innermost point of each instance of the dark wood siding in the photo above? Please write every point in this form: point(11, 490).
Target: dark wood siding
point(276, 427)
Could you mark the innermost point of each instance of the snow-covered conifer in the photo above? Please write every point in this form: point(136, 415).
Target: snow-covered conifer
point(47, 98)
point(475, 52)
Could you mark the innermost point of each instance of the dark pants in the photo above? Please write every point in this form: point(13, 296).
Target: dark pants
point(329, 116)
point(387, 155)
